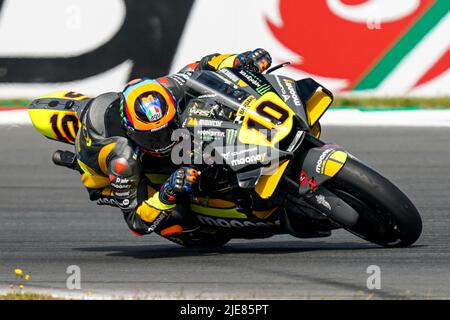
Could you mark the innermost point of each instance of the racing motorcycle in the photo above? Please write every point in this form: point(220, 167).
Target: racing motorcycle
point(255, 138)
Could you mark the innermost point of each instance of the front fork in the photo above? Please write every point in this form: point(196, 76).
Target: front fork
point(314, 167)
point(332, 206)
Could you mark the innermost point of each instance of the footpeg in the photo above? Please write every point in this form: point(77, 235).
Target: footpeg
point(66, 159)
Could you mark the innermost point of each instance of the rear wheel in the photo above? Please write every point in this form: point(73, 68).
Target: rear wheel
point(387, 216)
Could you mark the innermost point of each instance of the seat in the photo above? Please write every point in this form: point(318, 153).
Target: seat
point(98, 109)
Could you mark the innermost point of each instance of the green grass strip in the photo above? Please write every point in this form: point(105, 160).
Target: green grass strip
point(14, 103)
point(417, 32)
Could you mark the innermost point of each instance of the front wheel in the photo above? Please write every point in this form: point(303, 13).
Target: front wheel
point(386, 215)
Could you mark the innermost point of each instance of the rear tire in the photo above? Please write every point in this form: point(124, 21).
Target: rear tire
point(387, 216)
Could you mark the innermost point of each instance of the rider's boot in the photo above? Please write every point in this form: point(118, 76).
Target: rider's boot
point(66, 159)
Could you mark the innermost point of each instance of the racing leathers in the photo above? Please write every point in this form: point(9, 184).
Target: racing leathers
point(113, 166)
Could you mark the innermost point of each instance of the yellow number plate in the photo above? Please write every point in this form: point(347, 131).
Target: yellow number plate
point(267, 121)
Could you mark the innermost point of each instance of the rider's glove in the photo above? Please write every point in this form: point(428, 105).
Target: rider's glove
point(180, 182)
point(258, 60)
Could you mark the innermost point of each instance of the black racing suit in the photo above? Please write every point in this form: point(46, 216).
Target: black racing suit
point(112, 163)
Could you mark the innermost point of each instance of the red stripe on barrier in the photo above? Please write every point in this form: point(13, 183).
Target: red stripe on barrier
point(11, 108)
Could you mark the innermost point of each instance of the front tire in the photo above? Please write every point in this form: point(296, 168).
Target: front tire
point(387, 216)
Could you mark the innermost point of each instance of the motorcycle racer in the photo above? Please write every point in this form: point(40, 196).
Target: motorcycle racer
point(122, 132)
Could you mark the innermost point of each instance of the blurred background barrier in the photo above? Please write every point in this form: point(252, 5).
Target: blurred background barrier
point(355, 47)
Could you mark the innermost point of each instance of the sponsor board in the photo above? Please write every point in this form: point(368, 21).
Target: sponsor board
point(91, 50)
point(372, 47)
point(379, 47)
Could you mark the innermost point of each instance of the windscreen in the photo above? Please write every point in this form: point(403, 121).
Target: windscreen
point(220, 89)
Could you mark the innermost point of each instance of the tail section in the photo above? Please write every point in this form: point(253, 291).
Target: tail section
point(56, 116)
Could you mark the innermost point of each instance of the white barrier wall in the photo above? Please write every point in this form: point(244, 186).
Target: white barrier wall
point(372, 47)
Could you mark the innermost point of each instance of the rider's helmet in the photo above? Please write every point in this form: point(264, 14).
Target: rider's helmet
point(149, 115)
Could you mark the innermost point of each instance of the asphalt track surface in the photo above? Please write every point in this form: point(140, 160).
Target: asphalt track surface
point(47, 224)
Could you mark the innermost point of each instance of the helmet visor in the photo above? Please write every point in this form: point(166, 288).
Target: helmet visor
point(155, 141)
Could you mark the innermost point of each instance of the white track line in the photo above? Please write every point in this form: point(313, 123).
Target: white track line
point(14, 117)
point(401, 118)
point(345, 117)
